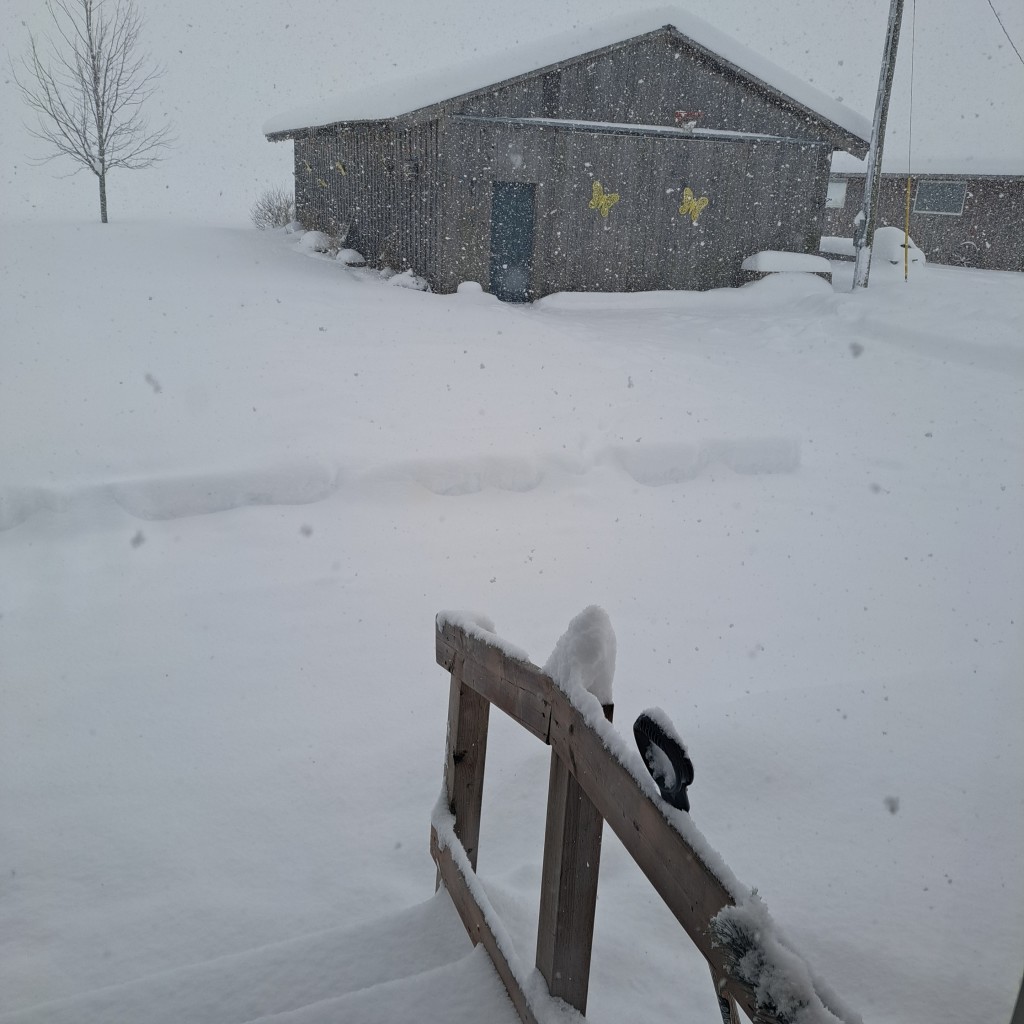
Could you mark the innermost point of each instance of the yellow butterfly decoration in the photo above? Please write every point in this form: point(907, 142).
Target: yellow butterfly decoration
point(340, 167)
point(601, 200)
point(691, 205)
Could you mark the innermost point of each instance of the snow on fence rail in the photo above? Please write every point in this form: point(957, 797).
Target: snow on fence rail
point(595, 778)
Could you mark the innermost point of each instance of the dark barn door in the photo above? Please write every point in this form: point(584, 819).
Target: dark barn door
point(511, 240)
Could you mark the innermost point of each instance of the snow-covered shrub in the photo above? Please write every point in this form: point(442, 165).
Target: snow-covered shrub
point(274, 208)
point(407, 279)
point(315, 241)
point(351, 258)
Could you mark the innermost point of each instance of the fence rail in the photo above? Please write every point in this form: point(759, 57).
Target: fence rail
point(588, 785)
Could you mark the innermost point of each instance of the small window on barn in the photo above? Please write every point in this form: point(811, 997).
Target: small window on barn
point(835, 198)
point(940, 197)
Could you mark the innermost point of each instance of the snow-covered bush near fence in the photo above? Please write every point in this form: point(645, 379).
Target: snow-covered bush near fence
point(274, 208)
point(407, 279)
point(315, 241)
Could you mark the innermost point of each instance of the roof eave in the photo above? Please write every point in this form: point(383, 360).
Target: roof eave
point(331, 128)
point(844, 139)
point(441, 107)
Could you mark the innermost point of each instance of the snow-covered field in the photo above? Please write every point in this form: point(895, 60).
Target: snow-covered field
point(236, 484)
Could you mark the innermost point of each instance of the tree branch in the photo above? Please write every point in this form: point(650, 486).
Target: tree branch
point(86, 84)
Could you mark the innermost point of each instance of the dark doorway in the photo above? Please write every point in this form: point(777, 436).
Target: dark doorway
point(511, 240)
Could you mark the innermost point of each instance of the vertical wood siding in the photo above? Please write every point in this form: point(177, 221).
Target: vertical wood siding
point(377, 187)
point(418, 194)
point(761, 195)
point(646, 83)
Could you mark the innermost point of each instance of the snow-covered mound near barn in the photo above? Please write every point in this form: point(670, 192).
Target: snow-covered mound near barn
point(237, 481)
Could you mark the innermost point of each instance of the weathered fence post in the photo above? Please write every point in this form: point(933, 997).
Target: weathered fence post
point(589, 784)
point(466, 750)
point(568, 888)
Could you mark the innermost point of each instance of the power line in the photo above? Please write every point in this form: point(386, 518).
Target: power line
point(1005, 33)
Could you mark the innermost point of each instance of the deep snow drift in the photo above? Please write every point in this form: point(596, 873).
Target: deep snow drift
point(236, 484)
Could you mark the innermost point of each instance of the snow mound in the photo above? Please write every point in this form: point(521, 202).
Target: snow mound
point(657, 465)
point(472, 291)
point(456, 477)
point(338, 974)
point(351, 258)
point(407, 279)
point(890, 251)
point(303, 482)
point(315, 241)
point(836, 245)
point(772, 261)
point(176, 497)
point(477, 625)
point(584, 657)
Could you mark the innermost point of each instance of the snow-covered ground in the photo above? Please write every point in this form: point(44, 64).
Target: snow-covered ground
point(238, 481)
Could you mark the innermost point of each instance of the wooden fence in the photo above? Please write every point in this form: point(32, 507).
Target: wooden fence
point(588, 786)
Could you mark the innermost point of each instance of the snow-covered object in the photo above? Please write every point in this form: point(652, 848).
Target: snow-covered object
point(392, 99)
point(837, 246)
point(584, 657)
point(772, 261)
point(407, 279)
point(315, 241)
point(293, 227)
point(473, 292)
point(546, 1008)
point(782, 982)
point(894, 161)
point(477, 625)
point(351, 258)
point(888, 248)
point(663, 765)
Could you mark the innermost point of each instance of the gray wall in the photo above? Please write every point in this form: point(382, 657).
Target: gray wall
point(989, 234)
point(645, 83)
point(760, 196)
point(387, 200)
point(417, 194)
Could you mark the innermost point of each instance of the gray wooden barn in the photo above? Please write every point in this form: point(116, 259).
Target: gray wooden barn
point(971, 215)
point(637, 158)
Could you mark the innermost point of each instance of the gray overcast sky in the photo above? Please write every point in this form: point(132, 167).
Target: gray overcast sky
point(233, 64)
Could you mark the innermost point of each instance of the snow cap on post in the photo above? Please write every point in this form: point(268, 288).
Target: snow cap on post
point(584, 657)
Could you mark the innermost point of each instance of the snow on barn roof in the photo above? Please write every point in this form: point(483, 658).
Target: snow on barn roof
point(894, 161)
point(402, 96)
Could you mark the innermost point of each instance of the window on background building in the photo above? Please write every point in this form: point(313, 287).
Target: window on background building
point(940, 197)
point(835, 198)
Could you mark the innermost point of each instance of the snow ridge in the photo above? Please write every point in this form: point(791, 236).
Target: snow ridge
point(303, 482)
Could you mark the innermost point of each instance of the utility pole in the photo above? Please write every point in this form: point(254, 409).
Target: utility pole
point(864, 231)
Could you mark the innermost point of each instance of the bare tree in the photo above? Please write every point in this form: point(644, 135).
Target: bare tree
point(87, 84)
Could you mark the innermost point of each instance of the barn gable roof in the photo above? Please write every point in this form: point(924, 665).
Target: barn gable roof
point(426, 96)
point(895, 162)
